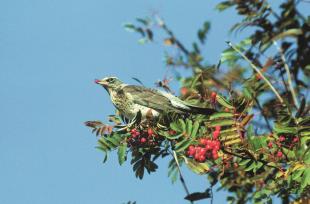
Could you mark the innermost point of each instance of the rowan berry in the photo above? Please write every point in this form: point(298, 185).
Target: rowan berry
point(216, 134)
point(218, 128)
point(150, 132)
point(203, 141)
point(142, 140)
point(281, 138)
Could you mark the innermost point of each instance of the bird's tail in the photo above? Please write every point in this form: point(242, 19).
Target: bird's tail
point(201, 110)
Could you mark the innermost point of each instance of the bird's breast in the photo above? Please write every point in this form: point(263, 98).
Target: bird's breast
point(128, 108)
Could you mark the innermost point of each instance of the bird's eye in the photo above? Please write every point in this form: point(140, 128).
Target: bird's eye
point(110, 80)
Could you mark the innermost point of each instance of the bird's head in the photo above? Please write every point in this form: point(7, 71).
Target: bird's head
point(109, 83)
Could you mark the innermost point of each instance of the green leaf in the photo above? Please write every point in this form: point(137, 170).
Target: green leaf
point(171, 137)
point(143, 21)
point(202, 33)
point(221, 100)
point(305, 181)
point(195, 129)
point(224, 5)
point(181, 146)
point(105, 153)
point(130, 27)
point(294, 32)
point(183, 125)
point(222, 123)
point(250, 167)
point(296, 174)
point(176, 127)
point(142, 41)
point(189, 127)
point(197, 167)
point(221, 115)
point(173, 172)
point(258, 142)
point(244, 162)
point(122, 153)
point(281, 129)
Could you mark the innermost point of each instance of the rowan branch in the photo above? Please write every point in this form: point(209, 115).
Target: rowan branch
point(258, 71)
point(287, 69)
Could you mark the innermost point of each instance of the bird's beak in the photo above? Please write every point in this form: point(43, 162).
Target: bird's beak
point(103, 83)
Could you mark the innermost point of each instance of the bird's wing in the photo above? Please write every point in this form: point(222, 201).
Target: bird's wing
point(149, 97)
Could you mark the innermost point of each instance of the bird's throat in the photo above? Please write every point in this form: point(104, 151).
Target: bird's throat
point(107, 89)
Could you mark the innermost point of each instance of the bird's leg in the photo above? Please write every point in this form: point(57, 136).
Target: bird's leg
point(136, 120)
point(132, 122)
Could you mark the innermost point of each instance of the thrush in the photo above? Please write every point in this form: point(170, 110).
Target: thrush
point(130, 99)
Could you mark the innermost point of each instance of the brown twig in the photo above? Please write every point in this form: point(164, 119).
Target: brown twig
point(244, 157)
point(258, 71)
point(186, 51)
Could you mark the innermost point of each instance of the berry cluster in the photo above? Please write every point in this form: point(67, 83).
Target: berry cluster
point(281, 141)
point(207, 148)
point(143, 138)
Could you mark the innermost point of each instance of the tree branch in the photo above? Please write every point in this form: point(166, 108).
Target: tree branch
point(287, 69)
point(258, 71)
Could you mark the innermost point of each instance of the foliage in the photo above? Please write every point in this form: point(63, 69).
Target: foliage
point(257, 143)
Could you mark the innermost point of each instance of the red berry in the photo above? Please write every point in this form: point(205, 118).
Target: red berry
point(191, 150)
point(203, 141)
point(202, 158)
point(270, 144)
point(217, 145)
point(172, 132)
point(209, 142)
point(218, 128)
point(258, 77)
point(295, 139)
point(197, 156)
point(202, 151)
point(214, 143)
point(208, 147)
point(184, 91)
point(133, 131)
point(150, 132)
point(216, 134)
point(281, 138)
point(213, 95)
point(279, 154)
point(142, 140)
point(226, 109)
point(215, 155)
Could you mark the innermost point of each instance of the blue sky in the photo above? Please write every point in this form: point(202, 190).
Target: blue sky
point(51, 51)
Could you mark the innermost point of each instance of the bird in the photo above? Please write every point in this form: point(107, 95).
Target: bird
point(131, 99)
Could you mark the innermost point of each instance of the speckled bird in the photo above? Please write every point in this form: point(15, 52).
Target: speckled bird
point(130, 99)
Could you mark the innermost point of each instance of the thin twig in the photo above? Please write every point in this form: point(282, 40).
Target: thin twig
point(176, 41)
point(211, 192)
point(258, 71)
point(186, 51)
point(244, 157)
point(287, 69)
point(181, 176)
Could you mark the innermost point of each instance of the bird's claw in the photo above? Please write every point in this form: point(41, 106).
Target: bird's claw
point(136, 120)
